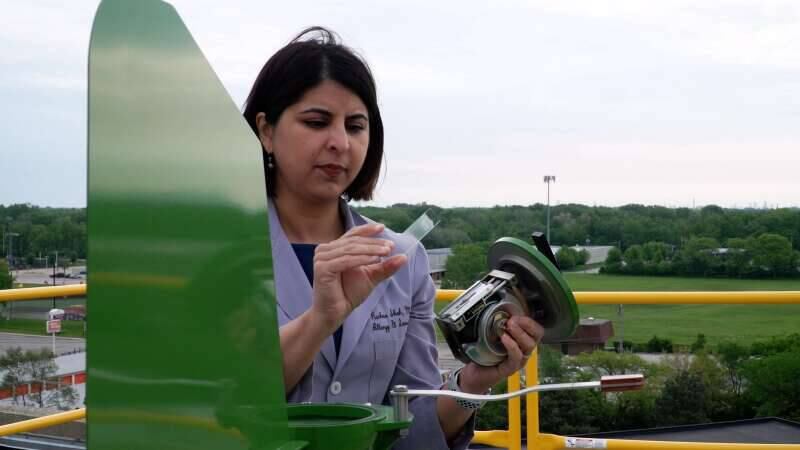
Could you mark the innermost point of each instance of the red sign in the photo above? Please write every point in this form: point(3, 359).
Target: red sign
point(53, 326)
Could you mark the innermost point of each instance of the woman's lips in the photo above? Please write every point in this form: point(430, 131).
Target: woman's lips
point(331, 170)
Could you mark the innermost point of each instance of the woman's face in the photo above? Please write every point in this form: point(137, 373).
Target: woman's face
point(319, 143)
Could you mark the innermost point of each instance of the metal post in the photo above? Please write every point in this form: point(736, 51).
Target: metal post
point(55, 263)
point(399, 395)
point(548, 212)
point(400, 402)
point(10, 257)
point(548, 179)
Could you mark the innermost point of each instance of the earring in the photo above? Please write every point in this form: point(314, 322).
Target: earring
point(270, 161)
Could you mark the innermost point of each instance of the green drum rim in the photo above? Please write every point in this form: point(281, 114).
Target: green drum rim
point(554, 286)
point(303, 415)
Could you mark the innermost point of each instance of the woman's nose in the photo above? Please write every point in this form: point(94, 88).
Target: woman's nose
point(338, 139)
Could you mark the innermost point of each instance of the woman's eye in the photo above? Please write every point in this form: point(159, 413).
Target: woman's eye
point(355, 127)
point(316, 123)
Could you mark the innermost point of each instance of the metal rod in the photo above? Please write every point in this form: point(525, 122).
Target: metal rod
point(493, 397)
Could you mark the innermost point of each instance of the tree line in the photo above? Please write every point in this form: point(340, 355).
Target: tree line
point(39, 232)
point(765, 255)
point(647, 240)
point(574, 224)
point(42, 231)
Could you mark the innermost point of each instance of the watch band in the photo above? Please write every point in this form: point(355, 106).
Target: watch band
point(452, 385)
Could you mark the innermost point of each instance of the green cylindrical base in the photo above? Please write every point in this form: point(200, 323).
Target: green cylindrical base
point(336, 426)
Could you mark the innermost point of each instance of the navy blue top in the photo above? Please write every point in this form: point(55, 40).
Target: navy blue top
point(305, 254)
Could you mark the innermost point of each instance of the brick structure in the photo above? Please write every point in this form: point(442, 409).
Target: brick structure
point(591, 334)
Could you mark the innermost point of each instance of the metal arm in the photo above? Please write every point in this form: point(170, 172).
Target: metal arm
point(614, 383)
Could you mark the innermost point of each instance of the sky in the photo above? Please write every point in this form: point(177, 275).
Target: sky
point(675, 103)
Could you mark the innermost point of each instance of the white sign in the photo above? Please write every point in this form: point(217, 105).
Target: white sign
point(53, 326)
point(572, 442)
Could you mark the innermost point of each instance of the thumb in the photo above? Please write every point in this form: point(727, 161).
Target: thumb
point(386, 268)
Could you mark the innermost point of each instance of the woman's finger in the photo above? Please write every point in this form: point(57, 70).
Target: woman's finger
point(345, 262)
point(386, 268)
point(523, 339)
point(530, 326)
point(515, 356)
point(371, 248)
point(369, 229)
point(347, 240)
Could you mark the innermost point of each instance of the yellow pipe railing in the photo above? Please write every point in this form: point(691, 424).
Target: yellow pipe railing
point(511, 438)
point(42, 422)
point(68, 290)
point(668, 298)
point(583, 298)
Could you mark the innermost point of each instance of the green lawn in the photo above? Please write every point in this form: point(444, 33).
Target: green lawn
point(594, 282)
point(31, 326)
point(682, 323)
point(24, 315)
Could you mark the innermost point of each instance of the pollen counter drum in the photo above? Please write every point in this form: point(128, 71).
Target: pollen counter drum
point(522, 281)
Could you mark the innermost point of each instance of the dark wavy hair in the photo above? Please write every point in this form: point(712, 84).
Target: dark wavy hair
point(312, 57)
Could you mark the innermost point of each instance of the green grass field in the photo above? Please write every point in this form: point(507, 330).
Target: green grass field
point(592, 282)
point(32, 326)
point(682, 323)
point(24, 316)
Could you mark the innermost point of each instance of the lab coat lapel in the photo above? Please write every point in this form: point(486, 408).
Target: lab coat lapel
point(292, 286)
point(355, 324)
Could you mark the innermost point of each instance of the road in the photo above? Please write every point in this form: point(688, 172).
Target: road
point(42, 276)
point(31, 342)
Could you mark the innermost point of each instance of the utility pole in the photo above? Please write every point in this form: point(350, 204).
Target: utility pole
point(10, 256)
point(549, 179)
point(10, 260)
point(55, 263)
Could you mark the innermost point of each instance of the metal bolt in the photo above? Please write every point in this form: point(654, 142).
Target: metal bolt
point(400, 402)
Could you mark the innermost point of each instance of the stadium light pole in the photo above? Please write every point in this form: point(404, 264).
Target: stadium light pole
point(10, 256)
point(549, 179)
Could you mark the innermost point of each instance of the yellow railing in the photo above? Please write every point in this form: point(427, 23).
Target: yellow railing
point(42, 422)
point(70, 290)
point(669, 297)
point(511, 438)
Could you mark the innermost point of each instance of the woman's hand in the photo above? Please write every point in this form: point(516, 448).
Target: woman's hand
point(347, 269)
point(522, 336)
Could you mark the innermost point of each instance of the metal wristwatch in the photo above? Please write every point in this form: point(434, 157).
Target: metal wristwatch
point(452, 385)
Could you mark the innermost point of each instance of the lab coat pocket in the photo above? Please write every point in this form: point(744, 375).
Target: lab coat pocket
point(383, 364)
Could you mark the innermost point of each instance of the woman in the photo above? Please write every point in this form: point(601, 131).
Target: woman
point(355, 299)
